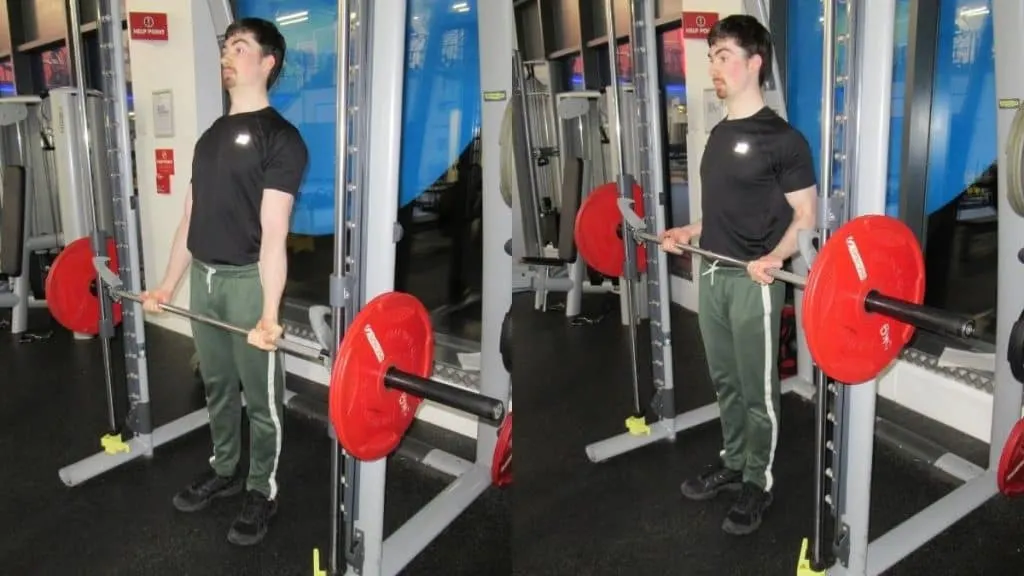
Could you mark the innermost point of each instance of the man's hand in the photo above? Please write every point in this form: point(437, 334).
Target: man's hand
point(758, 269)
point(265, 335)
point(152, 299)
point(682, 235)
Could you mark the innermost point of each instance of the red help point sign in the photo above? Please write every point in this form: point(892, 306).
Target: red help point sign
point(148, 25)
point(697, 25)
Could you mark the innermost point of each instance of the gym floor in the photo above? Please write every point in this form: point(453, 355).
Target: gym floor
point(122, 523)
point(626, 515)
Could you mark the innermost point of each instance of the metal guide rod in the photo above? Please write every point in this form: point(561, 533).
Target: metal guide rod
point(651, 170)
point(823, 398)
point(338, 275)
point(830, 400)
point(353, 105)
point(343, 466)
point(849, 119)
point(918, 315)
point(519, 83)
point(625, 191)
point(126, 234)
point(99, 245)
point(284, 344)
point(782, 275)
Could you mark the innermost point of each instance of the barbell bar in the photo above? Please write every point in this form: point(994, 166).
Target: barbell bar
point(919, 315)
point(862, 299)
point(76, 275)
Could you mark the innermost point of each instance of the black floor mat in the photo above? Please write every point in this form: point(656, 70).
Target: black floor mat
point(52, 413)
point(627, 516)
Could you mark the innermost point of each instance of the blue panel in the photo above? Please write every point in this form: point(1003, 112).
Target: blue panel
point(897, 107)
point(441, 111)
point(441, 114)
point(306, 94)
point(803, 84)
point(963, 123)
point(803, 80)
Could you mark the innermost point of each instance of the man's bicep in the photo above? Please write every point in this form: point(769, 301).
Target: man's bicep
point(188, 203)
point(276, 212)
point(803, 201)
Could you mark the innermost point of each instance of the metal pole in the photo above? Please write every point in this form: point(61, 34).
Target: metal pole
point(823, 399)
point(625, 191)
point(99, 244)
point(338, 288)
point(519, 80)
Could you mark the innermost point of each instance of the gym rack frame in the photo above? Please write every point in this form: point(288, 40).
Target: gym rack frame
point(867, 124)
point(371, 58)
point(366, 230)
point(644, 125)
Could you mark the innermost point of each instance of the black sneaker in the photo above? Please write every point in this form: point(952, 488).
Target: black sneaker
point(745, 515)
point(251, 524)
point(709, 483)
point(205, 489)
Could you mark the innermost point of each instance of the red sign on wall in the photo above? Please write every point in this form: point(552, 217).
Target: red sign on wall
point(697, 25)
point(165, 161)
point(163, 183)
point(148, 25)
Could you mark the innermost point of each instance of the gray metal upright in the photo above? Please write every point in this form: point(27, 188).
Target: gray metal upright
point(651, 170)
point(97, 235)
point(837, 154)
point(873, 46)
point(346, 294)
point(625, 182)
point(496, 39)
point(1008, 21)
point(380, 36)
point(126, 206)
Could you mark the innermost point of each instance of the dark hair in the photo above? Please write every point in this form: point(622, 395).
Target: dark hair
point(266, 34)
point(748, 34)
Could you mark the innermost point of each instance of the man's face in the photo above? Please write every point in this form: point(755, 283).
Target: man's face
point(732, 71)
point(242, 62)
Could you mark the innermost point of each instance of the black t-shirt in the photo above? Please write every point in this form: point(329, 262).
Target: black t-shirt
point(749, 165)
point(236, 159)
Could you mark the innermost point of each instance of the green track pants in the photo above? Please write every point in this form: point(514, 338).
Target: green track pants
point(234, 294)
point(739, 323)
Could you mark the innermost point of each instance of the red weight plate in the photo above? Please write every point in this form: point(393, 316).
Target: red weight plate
point(599, 227)
point(868, 253)
point(392, 330)
point(71, 286)
point(501, 466)
point(1010, 476)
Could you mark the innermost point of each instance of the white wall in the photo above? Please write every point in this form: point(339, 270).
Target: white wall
point(698, 80)
point(189, 65)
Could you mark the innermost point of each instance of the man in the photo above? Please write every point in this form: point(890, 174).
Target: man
point(758, 192)
point(245, 174)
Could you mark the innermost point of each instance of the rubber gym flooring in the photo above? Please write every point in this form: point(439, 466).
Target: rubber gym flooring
point(626, 515)
point(53, 412)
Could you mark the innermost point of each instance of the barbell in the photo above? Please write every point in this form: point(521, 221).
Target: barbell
point(862, 299)
point(379, 377)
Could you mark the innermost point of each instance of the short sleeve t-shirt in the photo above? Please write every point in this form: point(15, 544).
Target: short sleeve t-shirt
point(236, 159)
point(748, 167)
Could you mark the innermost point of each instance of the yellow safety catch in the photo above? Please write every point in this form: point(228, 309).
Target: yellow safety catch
point(637, 426)
point(112, 444)
point(317, 571)
point(803, 565)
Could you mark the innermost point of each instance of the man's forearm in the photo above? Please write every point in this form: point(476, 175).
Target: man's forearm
point(789, 245)
point(180, 258)
point(273, 274)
